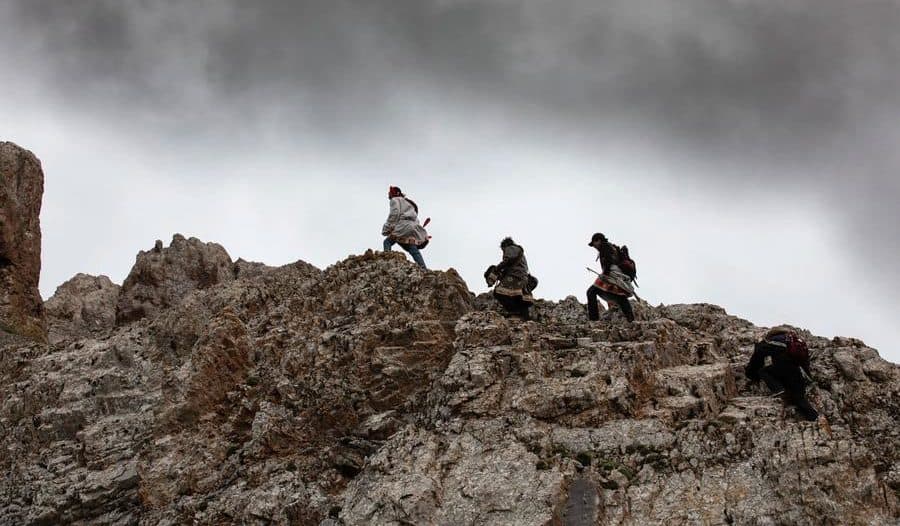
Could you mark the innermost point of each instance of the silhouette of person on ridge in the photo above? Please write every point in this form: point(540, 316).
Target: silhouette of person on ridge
point(789, 371)
point(402, 226)
point(514, 283)
point(615, 283)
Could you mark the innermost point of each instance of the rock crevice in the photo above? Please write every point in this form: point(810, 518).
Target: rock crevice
point(209, 391)
point(374, 392)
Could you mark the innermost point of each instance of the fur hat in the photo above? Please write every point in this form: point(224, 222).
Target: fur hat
point(597, 237)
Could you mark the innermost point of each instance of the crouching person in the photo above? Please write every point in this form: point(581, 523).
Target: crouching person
point(513, 282)
point(789, 370)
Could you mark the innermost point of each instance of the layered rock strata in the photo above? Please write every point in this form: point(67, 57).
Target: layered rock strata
point(21, 190)
point(83, 306)
point(162, 276)
point(373, 392)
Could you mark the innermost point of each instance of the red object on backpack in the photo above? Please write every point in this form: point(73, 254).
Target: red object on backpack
point(797, 349)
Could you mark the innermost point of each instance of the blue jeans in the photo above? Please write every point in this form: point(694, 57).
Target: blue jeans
point(412, 249)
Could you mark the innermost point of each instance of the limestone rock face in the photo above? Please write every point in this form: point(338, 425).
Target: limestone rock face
point(162, 276)
point(82, 306)
point(21, 190)
point(375, 392)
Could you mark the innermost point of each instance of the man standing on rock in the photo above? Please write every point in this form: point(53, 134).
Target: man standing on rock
point(402, 226)
point(514, 283)
point(614, 284)
point(789, 370)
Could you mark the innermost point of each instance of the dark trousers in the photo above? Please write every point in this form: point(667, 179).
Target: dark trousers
point(514, 305)
point(594, 309)
point(783, 376)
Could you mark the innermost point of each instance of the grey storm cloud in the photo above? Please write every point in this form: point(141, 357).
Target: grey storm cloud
point(801, 95)
point(748, 75)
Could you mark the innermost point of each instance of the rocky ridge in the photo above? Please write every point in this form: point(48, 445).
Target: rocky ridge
point(211, 391)
point(83, 306)
point(161, 278)
point(373, 392)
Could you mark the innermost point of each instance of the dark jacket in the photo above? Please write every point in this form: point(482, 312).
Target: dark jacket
point(612, 280)
point(608, 255)
point(774, 347)
point(784, 374)
point(513, 271)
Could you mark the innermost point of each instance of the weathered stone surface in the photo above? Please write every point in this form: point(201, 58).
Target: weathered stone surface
point(375, 392)
point(21, 190)
point(250, 269)
point(82, 306)
point(161, 277)
point(475, 475)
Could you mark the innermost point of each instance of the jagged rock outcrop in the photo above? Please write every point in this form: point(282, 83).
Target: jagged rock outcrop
point(21, 190)
point(162, 276)
point(648, 423)
point(374, 392)
point(82, 306)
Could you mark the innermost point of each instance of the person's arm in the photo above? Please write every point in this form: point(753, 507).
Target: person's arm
point(511, 254)
point(607, 256)
point(393, 217)
point(490, 275)
point(758, 360)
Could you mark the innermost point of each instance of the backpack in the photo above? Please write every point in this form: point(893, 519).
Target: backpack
point(794, 346)
point(797, 349)
point(627, 264)
point(532, 283)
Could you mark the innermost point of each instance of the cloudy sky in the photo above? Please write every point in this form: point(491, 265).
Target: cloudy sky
point(745, 150)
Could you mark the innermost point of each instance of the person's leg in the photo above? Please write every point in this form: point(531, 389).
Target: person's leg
point(415, 253)
point(505, 301)
point(625, 305)
point(770, 377)
point(795, 386)
point(620, 301)
point(798, 398)
point(593, 308)
point(388, 243)
point(523, 307)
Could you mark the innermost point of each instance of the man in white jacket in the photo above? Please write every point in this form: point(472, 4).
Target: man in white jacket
point(402, 226)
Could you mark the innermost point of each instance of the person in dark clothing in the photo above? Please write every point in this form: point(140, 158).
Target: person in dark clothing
point(788, 371)
point(612, 285)
point(593, 292)
point(514, 283)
